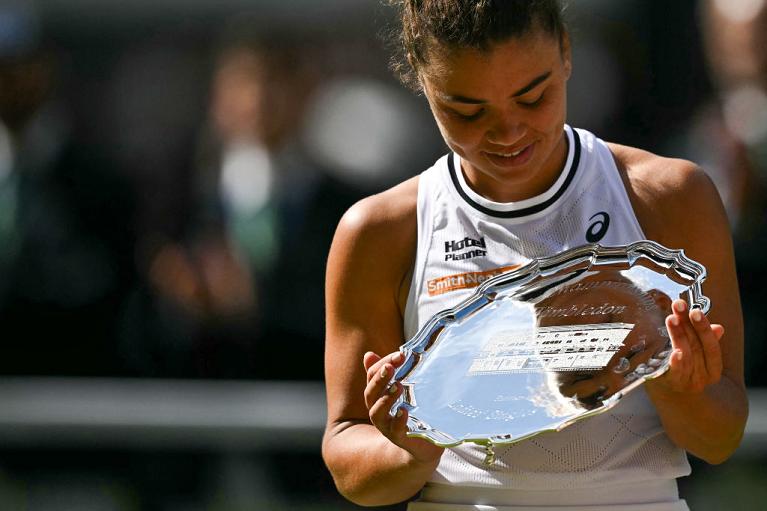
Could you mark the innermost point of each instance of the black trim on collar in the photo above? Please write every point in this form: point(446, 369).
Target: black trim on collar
point(526, 211)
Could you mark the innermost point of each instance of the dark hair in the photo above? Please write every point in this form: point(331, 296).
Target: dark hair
point(429, 25)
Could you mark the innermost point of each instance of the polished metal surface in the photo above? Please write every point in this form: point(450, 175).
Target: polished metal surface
point(548, 344)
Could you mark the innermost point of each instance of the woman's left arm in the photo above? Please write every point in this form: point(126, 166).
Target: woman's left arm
point(701, 400)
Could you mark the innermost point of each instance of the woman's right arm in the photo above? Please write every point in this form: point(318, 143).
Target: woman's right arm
point(371, 459)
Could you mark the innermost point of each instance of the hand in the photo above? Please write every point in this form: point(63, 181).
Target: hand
point(696, 360)
point(380, 397)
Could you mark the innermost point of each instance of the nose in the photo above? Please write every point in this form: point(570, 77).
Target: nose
point(507, 130)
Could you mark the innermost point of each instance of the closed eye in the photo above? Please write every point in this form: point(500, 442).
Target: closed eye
point(532, 103)
point(467, 117)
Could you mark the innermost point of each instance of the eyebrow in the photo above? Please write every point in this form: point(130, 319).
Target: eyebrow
point(457, 98)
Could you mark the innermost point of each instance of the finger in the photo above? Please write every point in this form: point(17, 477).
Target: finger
point(377, 384)
point(678, 360)
point(682, 315)
point(698, 333)
point(712, 352)
point(370, 358)
point(380, 415)
point(399, 423)
point(718, 331)
point(678, 334)
point(394, 359)
point(698, 355)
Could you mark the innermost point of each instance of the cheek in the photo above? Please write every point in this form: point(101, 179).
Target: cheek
point(464, 135)
point(548, 117)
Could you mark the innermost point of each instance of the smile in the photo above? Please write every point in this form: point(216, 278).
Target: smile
point(510, 158)
point(507, 155)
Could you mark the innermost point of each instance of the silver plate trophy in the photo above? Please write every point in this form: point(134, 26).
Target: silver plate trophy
point(538, 348)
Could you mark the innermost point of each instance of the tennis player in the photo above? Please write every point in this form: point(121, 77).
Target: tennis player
point(521, 183)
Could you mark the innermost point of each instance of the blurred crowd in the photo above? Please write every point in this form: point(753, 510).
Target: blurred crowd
point(166, 207)
point(167, 201)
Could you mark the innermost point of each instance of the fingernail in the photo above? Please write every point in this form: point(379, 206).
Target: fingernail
point(399, 413)
point(674, 320)
point(697, 315)
point(384, 372)
point(392, 389)
point(680, 306)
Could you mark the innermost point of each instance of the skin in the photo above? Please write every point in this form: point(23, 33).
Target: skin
point(476, 101)
point(701, 400)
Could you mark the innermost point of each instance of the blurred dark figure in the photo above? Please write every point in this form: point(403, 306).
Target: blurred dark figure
point(259, 172)
point(728, 137)
point(65, 259)
point(225, 230)
point(301, 128)
point(735, 122)
point(192, 312)
point(265, 191)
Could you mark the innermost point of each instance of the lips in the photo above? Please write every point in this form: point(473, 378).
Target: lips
point(510, 158)
point(509, 155)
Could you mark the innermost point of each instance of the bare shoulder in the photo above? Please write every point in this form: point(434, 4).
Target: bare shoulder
point(384, 213)
point(369, 260)
point(374, 246)
point(663, 188)
point(384, 223)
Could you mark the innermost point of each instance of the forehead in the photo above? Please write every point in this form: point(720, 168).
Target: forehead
point(505, 64)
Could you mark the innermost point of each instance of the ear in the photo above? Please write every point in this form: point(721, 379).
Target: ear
point(566, 51)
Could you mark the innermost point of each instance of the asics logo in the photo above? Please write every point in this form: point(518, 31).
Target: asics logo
point(598, 229)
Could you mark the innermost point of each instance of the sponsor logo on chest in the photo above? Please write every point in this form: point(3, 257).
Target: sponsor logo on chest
point(473, 247)
point(448, 283)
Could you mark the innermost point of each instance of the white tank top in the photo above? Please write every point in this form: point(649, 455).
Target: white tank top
point(464, 239)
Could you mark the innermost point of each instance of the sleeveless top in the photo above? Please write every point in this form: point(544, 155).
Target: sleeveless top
point(464, 239)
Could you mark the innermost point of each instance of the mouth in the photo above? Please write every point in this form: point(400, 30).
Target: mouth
point(508, 155)
point(510, 158)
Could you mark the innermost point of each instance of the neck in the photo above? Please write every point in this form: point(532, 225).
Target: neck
point(504, 190)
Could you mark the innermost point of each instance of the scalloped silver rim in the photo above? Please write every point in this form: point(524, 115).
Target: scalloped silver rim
point(592, 254)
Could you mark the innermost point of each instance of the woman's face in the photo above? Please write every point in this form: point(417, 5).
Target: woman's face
point(503, 112)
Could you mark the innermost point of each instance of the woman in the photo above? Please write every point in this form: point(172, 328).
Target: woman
point(520, 184)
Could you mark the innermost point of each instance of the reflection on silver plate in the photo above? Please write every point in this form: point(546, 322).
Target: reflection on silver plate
point(540, 347)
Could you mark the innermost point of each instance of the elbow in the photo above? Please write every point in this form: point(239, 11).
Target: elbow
point(350, 489)
point(717, 457)
point(726, 453)
point(350, 493)
point(359, 495)
point(361, 492)
point(729, 438)
point(347, 481)
point(723, 450)
point(361, 498)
